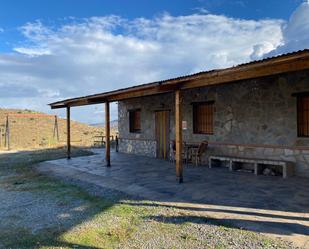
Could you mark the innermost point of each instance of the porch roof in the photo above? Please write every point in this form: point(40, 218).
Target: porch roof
point(291, 62)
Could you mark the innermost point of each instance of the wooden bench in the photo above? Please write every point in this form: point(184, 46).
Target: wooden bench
point(287, 167)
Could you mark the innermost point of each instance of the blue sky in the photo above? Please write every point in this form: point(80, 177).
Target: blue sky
point(15, 13)
point(51, 50)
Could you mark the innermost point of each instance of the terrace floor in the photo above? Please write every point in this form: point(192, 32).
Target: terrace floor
point(270, 205)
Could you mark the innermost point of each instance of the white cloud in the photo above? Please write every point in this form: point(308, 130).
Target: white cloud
point(202, 10)
point(104, 53)
point(295, 32)
point(32, 51)
point(262, 49)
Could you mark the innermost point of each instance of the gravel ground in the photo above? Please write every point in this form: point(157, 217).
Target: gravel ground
point(191, 235)
point(171, 228)
point(28, 213)
point(164, 227)
point(36, 212)
point(39, 212)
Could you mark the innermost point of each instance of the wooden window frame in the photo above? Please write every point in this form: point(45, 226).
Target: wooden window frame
point(132, 128)
point(194, 106)
point(300, 113)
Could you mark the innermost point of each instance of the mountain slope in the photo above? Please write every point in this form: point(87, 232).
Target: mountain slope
point(29, 130)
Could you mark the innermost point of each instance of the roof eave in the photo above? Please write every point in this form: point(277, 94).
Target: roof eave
point(271, 66)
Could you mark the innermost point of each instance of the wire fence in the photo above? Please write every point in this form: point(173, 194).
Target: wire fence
point(35, 130)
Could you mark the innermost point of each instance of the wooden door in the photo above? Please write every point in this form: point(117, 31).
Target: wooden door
point(162, 119)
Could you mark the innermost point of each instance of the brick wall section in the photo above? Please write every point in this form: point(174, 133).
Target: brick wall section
point(254, 118)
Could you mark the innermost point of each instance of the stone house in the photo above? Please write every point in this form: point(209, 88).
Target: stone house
point(255, 110)
point(252, 118)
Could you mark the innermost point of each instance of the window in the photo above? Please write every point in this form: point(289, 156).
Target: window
point(135, 121)
point(303, 115)
point(203, 114)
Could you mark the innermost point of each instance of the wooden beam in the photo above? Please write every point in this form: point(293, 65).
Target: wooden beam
point(246, 73)
point(68, 133)
point(107, 135)
point(136, 94)
point(57, 106)
point(178, 131)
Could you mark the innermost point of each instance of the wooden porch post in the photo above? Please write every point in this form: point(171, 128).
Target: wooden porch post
point(178, 130)
point(68, 133)
point(107, 135)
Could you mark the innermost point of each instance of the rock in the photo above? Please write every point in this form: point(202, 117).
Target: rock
point(228, 126)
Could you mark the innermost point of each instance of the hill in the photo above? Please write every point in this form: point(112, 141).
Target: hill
point(113, 124)
point(33, 130)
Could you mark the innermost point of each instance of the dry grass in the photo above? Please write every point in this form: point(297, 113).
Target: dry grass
point(36, 132)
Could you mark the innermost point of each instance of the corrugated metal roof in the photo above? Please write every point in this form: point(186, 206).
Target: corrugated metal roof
point(180, 78)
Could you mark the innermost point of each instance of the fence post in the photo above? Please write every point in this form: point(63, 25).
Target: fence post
point(1, 134)
point(7, 133)
point(56, 130)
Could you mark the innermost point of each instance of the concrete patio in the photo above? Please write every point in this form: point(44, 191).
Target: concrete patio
point(270, 205)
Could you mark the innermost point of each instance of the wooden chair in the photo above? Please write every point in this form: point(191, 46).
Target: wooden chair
point(197, 154)
point(173, 152)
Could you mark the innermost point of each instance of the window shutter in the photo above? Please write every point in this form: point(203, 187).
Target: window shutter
point(203, 118)
point(303, 116)
point(135, 121)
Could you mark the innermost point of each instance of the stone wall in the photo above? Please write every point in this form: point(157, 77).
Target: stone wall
point(254, 118)
point(138, 147)
point(142, 143)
